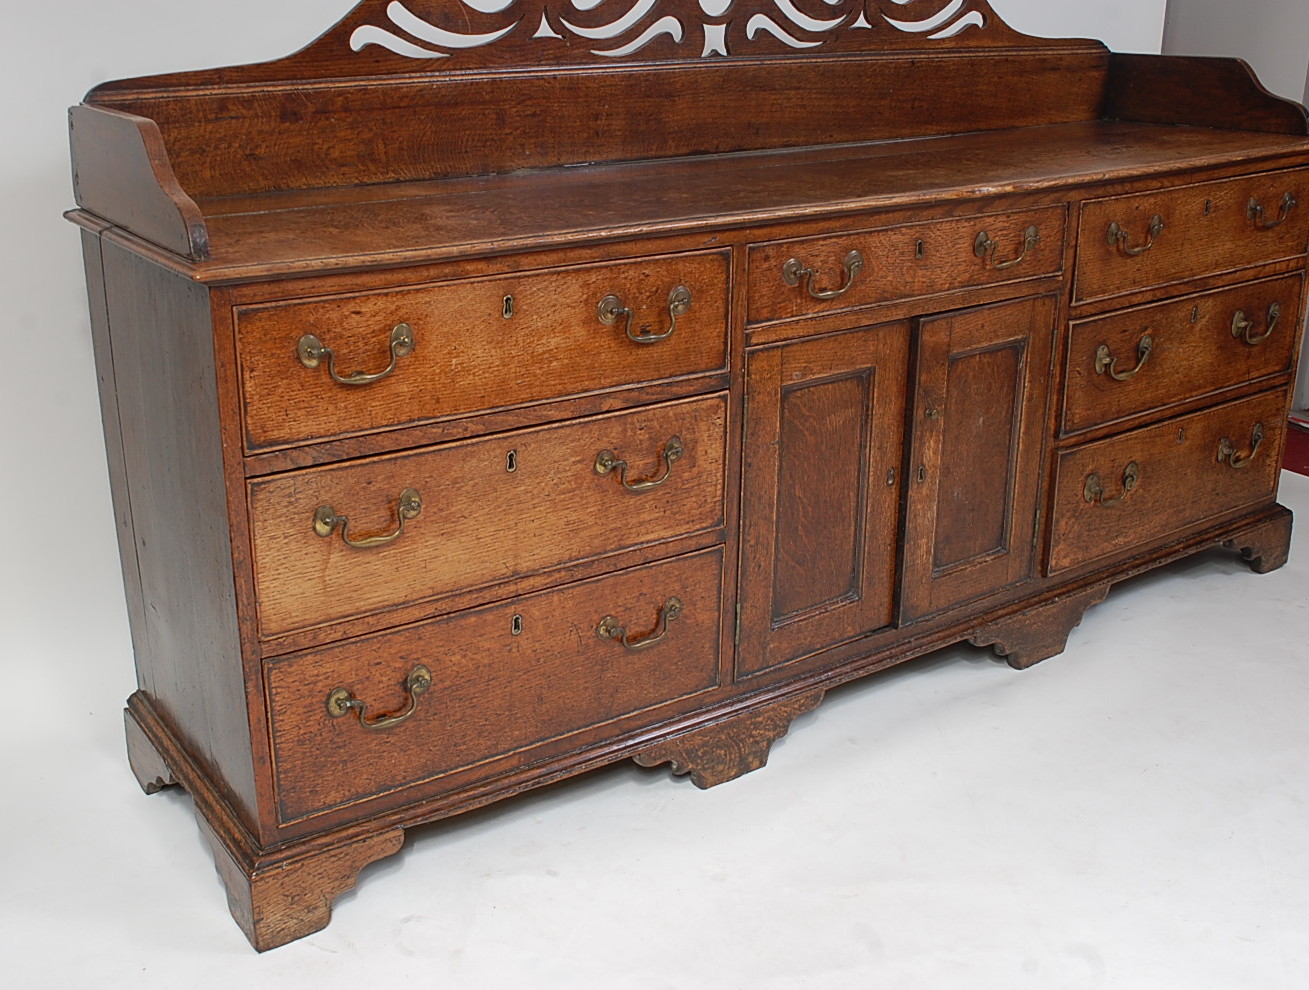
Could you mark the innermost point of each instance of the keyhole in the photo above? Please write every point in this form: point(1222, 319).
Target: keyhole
point(511, 461)
point(508, 311)
point(1195, 314)
point(516, 625)
point(920, 251)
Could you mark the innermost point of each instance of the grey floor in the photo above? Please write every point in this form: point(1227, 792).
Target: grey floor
point(1131, 814)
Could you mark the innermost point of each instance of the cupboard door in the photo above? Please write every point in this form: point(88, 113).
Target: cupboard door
point(974, 466)
point(823, 445)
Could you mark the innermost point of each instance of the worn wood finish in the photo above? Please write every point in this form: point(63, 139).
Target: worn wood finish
point(492, 509)
point(821, 491)
point(975, 452)
point(474, 343)
point(716, 754)
point(1206, 228)
point(1191, 350)
point(488, 178)
point(1178, 477)
point(903, 261)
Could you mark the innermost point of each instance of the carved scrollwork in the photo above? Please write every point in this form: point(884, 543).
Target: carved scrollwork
point(615, 29)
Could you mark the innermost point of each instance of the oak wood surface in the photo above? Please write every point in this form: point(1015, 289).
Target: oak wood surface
point(494, 691)
point(481, 523)
point(1192, 351)
point(479, 345)
point(1179, 479)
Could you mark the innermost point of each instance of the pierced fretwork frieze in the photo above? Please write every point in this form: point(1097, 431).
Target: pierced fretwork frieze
point(503, 31)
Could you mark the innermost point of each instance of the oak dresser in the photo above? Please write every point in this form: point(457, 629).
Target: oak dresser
point(497, 389)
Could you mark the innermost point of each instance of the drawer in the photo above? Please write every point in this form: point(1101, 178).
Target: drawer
point(488, 510)
point(1133, 242)
point(499, 681)
point(810, 275)
point(1133, 490)
point(475, 345)
point(1148, 358)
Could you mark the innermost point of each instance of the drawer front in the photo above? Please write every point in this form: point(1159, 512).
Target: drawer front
point(488, 510)
point(1147, 358)
point(1133, 490)
point(500, 680)
point(1133, 242)
point(787, 278)
point(475, 345)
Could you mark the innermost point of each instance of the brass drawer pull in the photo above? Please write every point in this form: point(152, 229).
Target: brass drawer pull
point(611, 310)
point(1227, 453)
point(609, 627)
point(340, 701)
point(1241, 327)
point(1255, 212)
point(312, 352)
point(985, 248)
point(607, 461)
point(326, 521)
point(1105, 364)
point(1093, 491)
point(1118, 237)
point(795, 270)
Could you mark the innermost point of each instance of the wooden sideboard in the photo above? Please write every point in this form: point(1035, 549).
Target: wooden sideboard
point(495, 390)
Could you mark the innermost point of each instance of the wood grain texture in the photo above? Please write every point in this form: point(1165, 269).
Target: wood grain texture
point(468, 356)
point(820, 492)
point(735, 746)
point(1206, 229)
point(1179, 479)
point(903, 261)
point(982, 387)
point(1039, 633)
point(1266, 545)
point(482, 524)
point(1192, 351)
point(494, 691)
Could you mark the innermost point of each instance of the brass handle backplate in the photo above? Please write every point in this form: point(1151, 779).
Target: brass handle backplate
point(341, 701)
point(985, 248)
point(1094, 491)
point(795, 271)
point(1118, 237)
point(611, 628)
point(1227, 453)
point(611, 310)
point(326, 521)
point(1241, 327)
point(1106, 364)
point(607, 462)
point(313, 352)
point(1255, 212)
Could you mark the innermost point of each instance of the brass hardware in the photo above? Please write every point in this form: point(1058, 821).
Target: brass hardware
point(312, 352)
point(1093, 491)
point(794, 271)
point(890, 478)
point(922, 473)
point(1181, 436)
point(1195, 314)
point(611, 310)
point(607, 461)
point(1241, 327)
point(985, 248)
point(932, 413)
point(1208, 207)
point(340, 701)
point(516, 625)
point(1107, 365)
point(511, 461)
point(1227, 453)
point(1255, 212)
point(610, 628)
point(1118, 237)
point(507, 310)
point(920, 251)
point(326, 520)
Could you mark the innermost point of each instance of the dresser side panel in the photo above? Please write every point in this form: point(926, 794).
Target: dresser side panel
point(184, 627)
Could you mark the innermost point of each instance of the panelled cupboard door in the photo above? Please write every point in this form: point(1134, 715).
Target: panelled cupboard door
point(974, 462)
point(823, 444)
